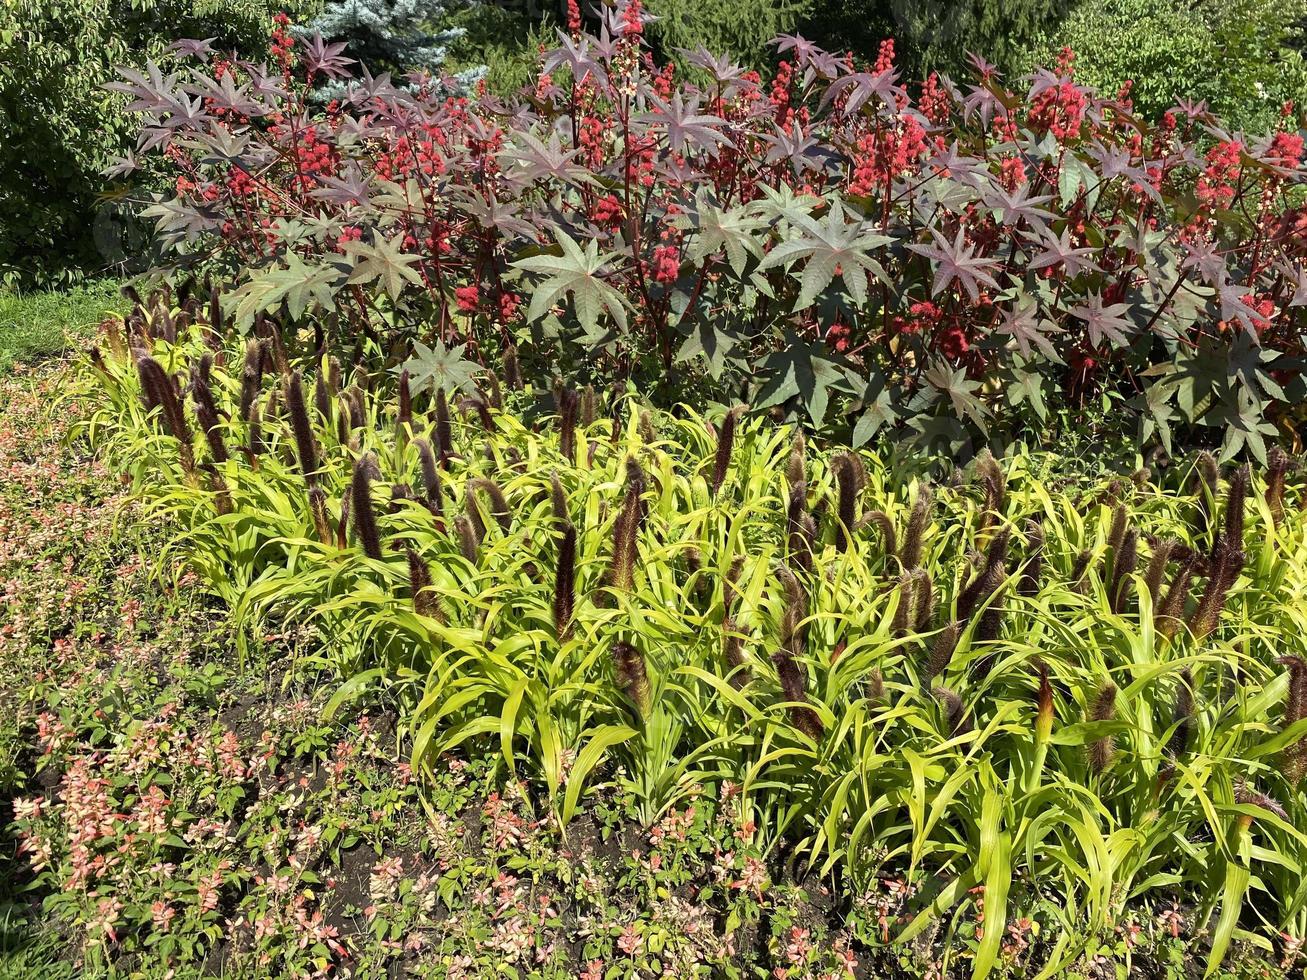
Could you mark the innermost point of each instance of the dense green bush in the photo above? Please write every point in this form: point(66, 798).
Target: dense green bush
point(1084, 700)
point(59, 128)
point(1243, 57)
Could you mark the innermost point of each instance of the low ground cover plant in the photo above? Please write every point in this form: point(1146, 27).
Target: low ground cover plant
point(1073, 697)
point(945, 261)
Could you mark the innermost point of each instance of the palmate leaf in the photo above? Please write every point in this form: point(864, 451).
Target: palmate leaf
point(715, 344)
point(1029, 330)
point(1026, 385)
point(384, 260)
point(960, 391)
point(957, 260)
point(297, 285)
point(438, 367)
point(577, 272)
point(731, 231)
point(832, 247)
point(804, 369)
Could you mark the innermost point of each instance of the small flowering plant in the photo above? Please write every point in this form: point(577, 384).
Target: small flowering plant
point(867, 254)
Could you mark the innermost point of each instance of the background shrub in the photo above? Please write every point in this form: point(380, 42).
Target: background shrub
point(59, 128)
point(1243, 58)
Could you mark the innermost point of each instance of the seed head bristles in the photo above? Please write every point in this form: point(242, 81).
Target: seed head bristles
point(251, 377)
point(399, 492)
point(405, 409)
point(885, 526)
point(1182, 713)
point(512, 370)
point(254, 436)
point(1033, 573)
point(725, 447)
point(567, 405)
point(365, 518)
point(1123, 567)
point(333, 376)
point(802, 715)
point(218, 487)
point(361, 379)
point(1222, 574)
point(1103, 708)
point(305, 444)
point(795, 470)
point(910, 556)
point(495, 396)
point(165, 328)
point(988, 579)
point(161, 392)
point(621, 571)
point(558, 499)
point(1043, 704)
point(923, 588)
point(733, 642)
point(273, 336)
point(358, 418)
point(318, 511)
point(955, 712)
point(444, 433)
point(903, 612)
point(875, 685)
point(1156, 572)
point(498, 502)
point(1277, 466)
point(565, 582)
point(1115, 535)
point(646, 428)
point(796, 610)
point(1170, 613)
point(322, 402)
point(992, 618)
point(847, 476)
point(1295, 709)
point(112, 328)
point(206, 410)
point(425, 602)
point(482, 410)
point(1235, 498)
point(1246, 796)
point(473, 511)
point(632, 677)
point(589, 405)
point(434, 498)
point(343, 423)
point(468, 542)
point(1080, 571)
point(342, 528)
point(994, 484)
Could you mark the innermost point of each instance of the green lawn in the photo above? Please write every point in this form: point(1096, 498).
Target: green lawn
point(36, 325)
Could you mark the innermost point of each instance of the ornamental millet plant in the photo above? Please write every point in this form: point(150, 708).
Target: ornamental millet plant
point(967, 254)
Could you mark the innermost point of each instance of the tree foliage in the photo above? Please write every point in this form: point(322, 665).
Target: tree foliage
point(1243, 58)
point(59, 128)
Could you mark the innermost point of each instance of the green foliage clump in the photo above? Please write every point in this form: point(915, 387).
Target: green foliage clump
point(935, 35)
point(1243, 58)
point(1073, 697)
point(59, 128)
